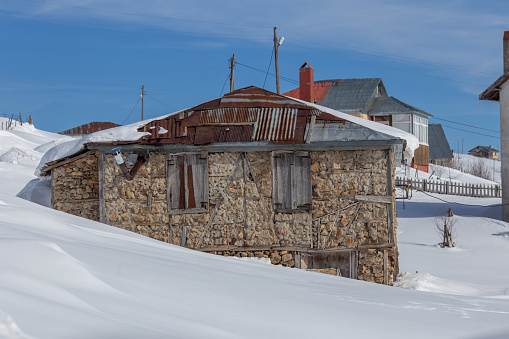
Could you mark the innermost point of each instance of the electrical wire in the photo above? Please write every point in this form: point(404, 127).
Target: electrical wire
point(145, 15)
point(136, 104)
point(379, 65)
point(162, 103)
point(371, 52)
point(268, 68)
point(271, 74)
point(136, 30)
point(464, 130)
point(459, 123)
point(224, 84)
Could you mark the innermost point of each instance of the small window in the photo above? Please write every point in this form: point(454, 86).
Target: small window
point(291, 180)
point(188, 183)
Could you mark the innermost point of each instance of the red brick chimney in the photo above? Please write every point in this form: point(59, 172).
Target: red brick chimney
point(506, 51)
point(306, 83)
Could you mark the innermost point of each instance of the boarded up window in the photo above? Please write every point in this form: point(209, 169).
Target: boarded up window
point(188, 184)
point(291, 180)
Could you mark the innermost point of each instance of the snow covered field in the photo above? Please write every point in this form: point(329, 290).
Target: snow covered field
point(66, 277)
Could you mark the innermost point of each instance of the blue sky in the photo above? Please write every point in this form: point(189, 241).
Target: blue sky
point(71, 62)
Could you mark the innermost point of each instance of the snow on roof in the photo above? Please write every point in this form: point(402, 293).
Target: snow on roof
point(70, 148)
point(412, 143)
point(130, 133)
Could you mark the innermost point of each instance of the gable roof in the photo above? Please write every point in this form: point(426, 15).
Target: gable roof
point(250, 118)
point(486, 149)
point(349, 95)
point(392, 105)
point(438, 145)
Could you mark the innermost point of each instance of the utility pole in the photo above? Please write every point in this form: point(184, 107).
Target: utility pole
point(142, 96)
point(276, 44)
point(232, 66)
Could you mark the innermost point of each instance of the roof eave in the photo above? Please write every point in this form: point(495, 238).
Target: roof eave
point(492, 93)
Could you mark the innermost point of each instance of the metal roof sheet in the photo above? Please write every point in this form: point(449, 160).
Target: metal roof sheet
point(438, 145)
point(350, 95)
point(391, 105)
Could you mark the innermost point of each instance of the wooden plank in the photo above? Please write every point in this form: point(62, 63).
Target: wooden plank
point(58, 163)
point(386, 267)
point(384, 199)
point(293, 186)
point(396, 264)
point(262, 200)
point(102, 204)
point(219, 202)
point(183, 236)
point(244, 202)
point(390, 183)
point(390, 221)
point(233, 248)
point(168, 206)
point(350, 249)
point(310, 129)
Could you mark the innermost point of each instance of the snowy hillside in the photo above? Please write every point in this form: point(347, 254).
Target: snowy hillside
point(68, 277)
point(468, 163)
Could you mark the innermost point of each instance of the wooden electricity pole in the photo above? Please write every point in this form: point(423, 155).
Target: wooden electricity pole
point(142, 96)
point(276, 59)
point(232, 66)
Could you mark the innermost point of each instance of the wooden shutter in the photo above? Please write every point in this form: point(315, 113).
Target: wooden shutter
point(188, 183)
point(282, 180)
point(291, 180)
point(302, 180)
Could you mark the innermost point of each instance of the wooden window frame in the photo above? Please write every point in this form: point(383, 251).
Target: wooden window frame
point(194, 196)
point(291, 187)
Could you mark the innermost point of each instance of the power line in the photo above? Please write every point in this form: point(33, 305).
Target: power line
point(162, 103)
point(396, 57)
point(383, 66)
point(271, 74)
point(136, 30)
point(268, 68)
point(224, 84)
point(464, 130)
point(146, 15)
point(136, 104)
point(459, 123)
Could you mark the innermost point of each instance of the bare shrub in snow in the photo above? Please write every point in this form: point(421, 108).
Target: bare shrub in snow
point(480, 169)
point(457, 163)
point(445, 225)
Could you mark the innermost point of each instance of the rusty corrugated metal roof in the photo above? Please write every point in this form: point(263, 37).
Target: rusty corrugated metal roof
point(89, 128)
point(248, 114)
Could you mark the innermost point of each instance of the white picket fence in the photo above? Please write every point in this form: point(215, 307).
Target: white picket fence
point(452, 188)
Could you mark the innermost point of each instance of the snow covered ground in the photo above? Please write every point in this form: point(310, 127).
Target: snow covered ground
point(66, 277)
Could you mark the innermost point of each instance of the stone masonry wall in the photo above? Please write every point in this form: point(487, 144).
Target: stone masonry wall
point(138, 205)
point(75, 187)
point(141, 205)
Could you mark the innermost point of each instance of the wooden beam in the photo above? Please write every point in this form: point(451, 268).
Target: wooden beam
point(386, 267)
point(102, 205)
point(383, 199)
point(218, 204)
point(310, 129)
point(58, 163)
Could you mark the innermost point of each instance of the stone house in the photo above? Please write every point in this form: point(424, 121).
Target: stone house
point(250, 174)
point(368, 99)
